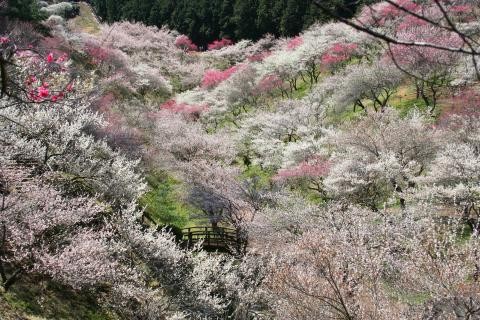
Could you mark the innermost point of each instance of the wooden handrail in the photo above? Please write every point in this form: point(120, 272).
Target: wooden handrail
point(212, 237)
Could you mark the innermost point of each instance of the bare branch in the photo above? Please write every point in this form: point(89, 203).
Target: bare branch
point(390, 39)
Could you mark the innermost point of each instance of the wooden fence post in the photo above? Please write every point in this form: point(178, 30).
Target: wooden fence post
point(207, 235)
point(189, 237)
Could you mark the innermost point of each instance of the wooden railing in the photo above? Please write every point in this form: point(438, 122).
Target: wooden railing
point(212, 237)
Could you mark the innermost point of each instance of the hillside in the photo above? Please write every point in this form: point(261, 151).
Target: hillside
point(344, 159)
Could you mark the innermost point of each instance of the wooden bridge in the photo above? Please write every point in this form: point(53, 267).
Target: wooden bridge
point(213, 238)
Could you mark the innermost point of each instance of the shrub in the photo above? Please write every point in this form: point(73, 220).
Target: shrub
point(26, 10)
point(55, 20)
point(183, 42)
point(63, 9)
point(218, 44)
point(212, 77)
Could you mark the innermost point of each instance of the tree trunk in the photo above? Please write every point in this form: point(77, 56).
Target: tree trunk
point(3, 74)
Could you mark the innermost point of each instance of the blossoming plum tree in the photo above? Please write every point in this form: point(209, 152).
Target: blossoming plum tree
point(286, 137)
point(379, 157)
point(366, 86)
point(212, 77)
point(312, 170)
point(453, 179)
point(218, 44)
point(183, 42)
point(43, 78)
point(34, 216)
point(430, 67)
point(66, 214)
point(335, 266)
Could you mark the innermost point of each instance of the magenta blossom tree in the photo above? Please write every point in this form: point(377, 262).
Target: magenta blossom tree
point(218, 44)
point(45, 77)
point(213, 77)
point(337, 54)
point(183, 42)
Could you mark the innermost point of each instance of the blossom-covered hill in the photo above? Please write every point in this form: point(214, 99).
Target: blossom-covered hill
point(346, 158)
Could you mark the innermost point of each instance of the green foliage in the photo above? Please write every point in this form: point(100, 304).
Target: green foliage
point(244, 14)
point(206, 20)
point(405, 100)
point(162, 203)
point(86, 21)
point(303, 88)
point(26, 10)
point(290, 24)
point(263, 176)
point(264, 17)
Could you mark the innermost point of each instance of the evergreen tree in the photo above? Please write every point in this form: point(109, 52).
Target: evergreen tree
point(194, 20)
point(155, 17)
point(100, 7)
point(129, 10)
point(245, 13)
point(277, 14)
point(180, 14)
point(209, 22)
point(113, 8)
point(346, 8)
point(23, 9)
point(292, 19)
point(312, 15)
point(161, 12)
point(206, 20)
point(226, 21)
point(144, 8)
point(264, 17)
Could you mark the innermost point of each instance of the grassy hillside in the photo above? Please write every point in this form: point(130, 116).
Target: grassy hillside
point(86, 21)
point(33, 298)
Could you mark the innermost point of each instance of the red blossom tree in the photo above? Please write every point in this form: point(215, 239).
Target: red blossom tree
point(337, 54)
point(190, 110)
point(409, 22)
point(37, 80)
point(218, 44)
point(213, 77)
point(259, 56)
point(437, 14)
point(270, 83)
point(463, 104)
point(96, 53)
point(312, 170)
point(183, 42)
point(44, 78)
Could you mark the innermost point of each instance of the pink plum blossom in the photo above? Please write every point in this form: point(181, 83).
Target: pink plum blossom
point(183, 42)
point(213, 77)
point(50, 58)
point(294, 43)
point(218, 44)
